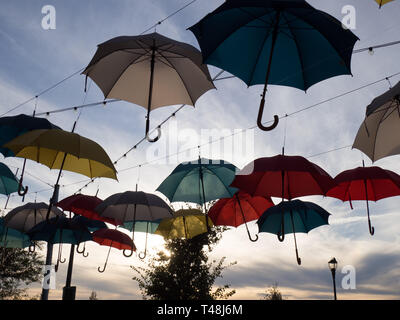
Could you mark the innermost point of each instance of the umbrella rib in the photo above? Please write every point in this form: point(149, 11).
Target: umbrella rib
point(226, 187)
point(298, 50)
point(180, 76)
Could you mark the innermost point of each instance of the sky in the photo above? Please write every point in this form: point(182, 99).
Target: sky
point(33, 59)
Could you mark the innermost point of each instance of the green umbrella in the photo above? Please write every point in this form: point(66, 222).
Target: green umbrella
point(291, 217)
point(8, 182)
point(11, 238)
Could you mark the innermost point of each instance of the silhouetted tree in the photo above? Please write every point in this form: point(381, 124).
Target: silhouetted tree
point(17, 267)
point(93, 296)
point(185, 272)
point(273, 293)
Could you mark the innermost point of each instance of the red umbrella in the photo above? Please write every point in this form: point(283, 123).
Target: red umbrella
point(283, 176)
point(239, 209)
point(84, 205)
point(115, 239)
point(366, 183)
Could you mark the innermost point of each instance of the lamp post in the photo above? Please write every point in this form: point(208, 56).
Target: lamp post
point(332, 266)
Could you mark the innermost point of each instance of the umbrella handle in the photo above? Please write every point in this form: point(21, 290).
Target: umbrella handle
point(298, 258)
point(83, 251)
point(156, 138)
point(259, 118)
point(281, 237)
point(281, 233)
point(104, 268)
point(142, 255)
point(127, 255)
point(371, 228)
point(21, 190)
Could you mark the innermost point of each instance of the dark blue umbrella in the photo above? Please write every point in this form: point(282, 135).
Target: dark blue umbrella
point(291, 217)
point(14, 126)
point(282, 42)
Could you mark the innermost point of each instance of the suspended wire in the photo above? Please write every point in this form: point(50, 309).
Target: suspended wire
point(384, 45)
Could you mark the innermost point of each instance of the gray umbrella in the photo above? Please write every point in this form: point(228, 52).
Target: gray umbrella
point(25, 217)
point(149, 70)
point(377, 136)
point(132, 206)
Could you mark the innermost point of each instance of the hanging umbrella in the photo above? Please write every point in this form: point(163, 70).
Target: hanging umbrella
point(287, 43)
point(151, 71)
point(14, 126)
point(58, 149)
point(366, 183)
point(115, 239)
point(24, 218)
point(84, 205)
point(382, 2)
point(132, 206)
point(282, 176)
point(8, 182)
point(199, 181)
point(291, 217)
point(11, 238)
point(238, 210)
point(375, 137)
point(186, 223)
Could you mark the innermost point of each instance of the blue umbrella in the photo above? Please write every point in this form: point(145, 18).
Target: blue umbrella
point(11, 238)
point(287, 43)
point(14, 126)
point(291, 217)
point(8, 182)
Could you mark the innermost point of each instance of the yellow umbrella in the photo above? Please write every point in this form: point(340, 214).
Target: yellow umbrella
point(382, 2)
point(186, 223)
point(59, 149)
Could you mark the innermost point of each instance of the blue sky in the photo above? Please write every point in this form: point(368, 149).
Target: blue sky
point(33, 59)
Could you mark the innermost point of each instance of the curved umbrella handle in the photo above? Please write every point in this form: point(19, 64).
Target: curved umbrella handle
point(259, 118)
point(21, 190)
point(281, 236)
point(32, 248)
point(156, 138)
point(281, 233)
point(127, 255)
point(83, 251)
point(142, 255)
point(104, 268)
point(371, 228)
point(298, 258)
point(63, 260)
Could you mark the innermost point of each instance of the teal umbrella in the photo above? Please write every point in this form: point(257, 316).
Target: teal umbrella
point(291, 217)
point(8, 182)
point(199, 181)
point(11, 238)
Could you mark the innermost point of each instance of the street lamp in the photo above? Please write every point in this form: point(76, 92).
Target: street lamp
point(332, 266)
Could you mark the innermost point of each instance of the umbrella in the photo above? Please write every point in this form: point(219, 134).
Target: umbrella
point(14, 126)
point(132, 206)
point(186, 223)
point(291, 217)
point(8, 182)
point(265, 42)
point(24, 218)
point(239, 209)
point(11, 238)
point(199, 181)
point(366, 183)
point(59, 149)
point(60, 230)
point(151, 71)
point(287, 177)
point(375, 137)
point(115, 239)
point(382, 2)
point(84, 205)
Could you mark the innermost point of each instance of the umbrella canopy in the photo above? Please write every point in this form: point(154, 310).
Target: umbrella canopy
point(291, 217)
point(12, 127)
point(60, 230)
point(91, 225)
point(283, 176)
point(59, 149)
point(8, 182)
point(366, 183)
point(84, 205)
point(113, 239)
point(199, 181)
point(24, 218)
point(134, 205)
point(375, 137)
point(149, 70)
point(273, 42)
point(186, 223)
point(142, 226)
point(382, 2)
point(238, 210)
point(11, 238)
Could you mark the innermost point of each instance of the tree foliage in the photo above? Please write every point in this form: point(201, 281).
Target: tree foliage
point(184, 271)
point(273, 293)
point(18, 267)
